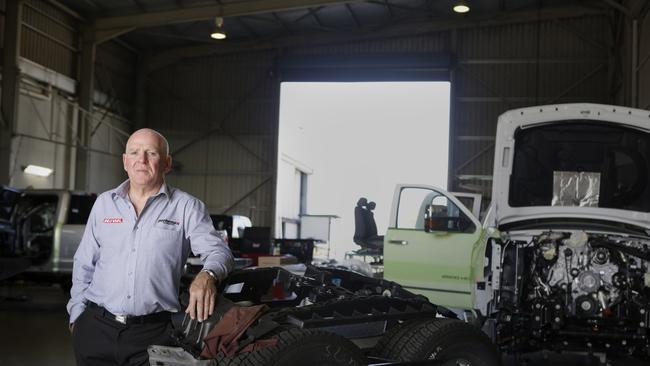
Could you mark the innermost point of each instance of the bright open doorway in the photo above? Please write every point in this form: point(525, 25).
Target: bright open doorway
point(342, 141)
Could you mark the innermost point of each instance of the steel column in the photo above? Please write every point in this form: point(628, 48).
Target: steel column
point(634, 83)
point(86, 89)
point(10, 84)
point(452, 176)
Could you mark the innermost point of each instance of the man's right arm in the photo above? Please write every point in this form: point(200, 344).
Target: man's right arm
point(84, 266)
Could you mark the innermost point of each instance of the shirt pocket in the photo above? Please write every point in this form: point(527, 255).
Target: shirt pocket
point(167, 235)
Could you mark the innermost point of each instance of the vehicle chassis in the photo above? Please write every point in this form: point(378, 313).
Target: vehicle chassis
point(357, 307)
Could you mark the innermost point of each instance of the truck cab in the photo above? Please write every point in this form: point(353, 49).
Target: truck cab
point(40, 235)
point(432, 238)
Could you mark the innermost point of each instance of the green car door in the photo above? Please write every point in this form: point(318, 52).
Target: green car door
point(429, 243)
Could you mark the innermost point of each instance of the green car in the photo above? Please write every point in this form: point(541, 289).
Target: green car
point(562, 258)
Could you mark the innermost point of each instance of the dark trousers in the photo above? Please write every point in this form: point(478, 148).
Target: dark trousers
point(99, 340)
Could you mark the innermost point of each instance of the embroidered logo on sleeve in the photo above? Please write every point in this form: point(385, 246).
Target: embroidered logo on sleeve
point(169, 222)
point(113, 220)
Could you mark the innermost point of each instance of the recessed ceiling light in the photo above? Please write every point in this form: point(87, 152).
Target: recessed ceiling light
point(461, 7)
point(37, 170)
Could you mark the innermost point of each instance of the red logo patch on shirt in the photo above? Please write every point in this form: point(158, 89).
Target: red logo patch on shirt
point(113, 220)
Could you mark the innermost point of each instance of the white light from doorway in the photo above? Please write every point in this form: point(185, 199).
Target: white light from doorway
point(360, 139)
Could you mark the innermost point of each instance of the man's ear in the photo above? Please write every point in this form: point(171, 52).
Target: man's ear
point(168, 168)
point(124, 162)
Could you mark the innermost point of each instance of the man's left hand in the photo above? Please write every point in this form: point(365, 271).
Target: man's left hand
point(203, 292)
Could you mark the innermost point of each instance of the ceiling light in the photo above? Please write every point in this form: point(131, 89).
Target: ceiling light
point(37, 170)
point(461, 7)
point(218, 32)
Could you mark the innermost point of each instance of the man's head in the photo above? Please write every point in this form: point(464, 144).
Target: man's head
point(146, 159)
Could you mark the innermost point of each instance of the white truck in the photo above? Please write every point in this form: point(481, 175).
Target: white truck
point(562, 258)
point(40, 231)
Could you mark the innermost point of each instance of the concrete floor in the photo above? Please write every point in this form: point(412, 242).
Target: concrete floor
point(34, 331)
point(34, 326)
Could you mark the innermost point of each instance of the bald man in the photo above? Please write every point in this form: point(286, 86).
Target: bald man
point(128, 266)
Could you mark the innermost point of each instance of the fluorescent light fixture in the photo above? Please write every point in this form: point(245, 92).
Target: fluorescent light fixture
point(461, 7)
point(219, 32)
point(37, 170)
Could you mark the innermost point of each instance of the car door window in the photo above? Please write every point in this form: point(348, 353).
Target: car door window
point(80, 206)
point(411, 207)
point(416, 205)
point(41, 219)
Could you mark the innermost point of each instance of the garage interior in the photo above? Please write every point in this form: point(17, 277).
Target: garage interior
point(78, 76)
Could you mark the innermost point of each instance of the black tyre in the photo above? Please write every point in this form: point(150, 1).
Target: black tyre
point(301, 347)
point(447, 341)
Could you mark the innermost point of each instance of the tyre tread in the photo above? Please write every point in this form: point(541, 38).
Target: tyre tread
point(408, 341)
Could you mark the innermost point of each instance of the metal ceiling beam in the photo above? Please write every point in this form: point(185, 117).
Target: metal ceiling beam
point(407, 29)
point(390, 9)
point(317, 18)
point(103, 35)
point(313, 13)
point(618, 7)
point(410, 9)
point(247, 27)
point(281, 22)
point(310, 11)
point(353, 15)
point(192, 14)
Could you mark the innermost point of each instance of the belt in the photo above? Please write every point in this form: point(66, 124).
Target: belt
point(160, 317)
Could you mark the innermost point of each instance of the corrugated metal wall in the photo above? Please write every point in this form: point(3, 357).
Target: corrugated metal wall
point(49, 37)
point(499, 68)
point(221, 112)
point(115, 74)
point(45, 136)
point(47, 117)
point(519, 65)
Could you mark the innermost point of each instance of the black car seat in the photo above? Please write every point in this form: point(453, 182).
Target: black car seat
point(372, 240)
point(360, 227)
point(365, 228)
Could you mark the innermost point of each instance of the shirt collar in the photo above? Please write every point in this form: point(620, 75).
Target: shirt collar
point(122, 191)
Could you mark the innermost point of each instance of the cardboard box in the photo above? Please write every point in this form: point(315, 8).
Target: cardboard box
point(276, 260)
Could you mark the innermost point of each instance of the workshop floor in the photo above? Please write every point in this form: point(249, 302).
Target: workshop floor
point(34, 326)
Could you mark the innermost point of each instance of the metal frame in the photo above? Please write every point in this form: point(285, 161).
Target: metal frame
point(114, 26)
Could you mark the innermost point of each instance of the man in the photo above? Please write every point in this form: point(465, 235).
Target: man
point(128, 265)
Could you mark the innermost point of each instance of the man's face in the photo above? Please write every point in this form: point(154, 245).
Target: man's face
point(145, 160)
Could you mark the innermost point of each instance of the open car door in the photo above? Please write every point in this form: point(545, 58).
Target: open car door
point(429, 243)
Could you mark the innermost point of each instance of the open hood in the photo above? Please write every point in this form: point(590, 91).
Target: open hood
point(572, 161)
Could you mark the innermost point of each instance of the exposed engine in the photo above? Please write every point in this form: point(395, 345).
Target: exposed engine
point(592, 275)
point(567, 288)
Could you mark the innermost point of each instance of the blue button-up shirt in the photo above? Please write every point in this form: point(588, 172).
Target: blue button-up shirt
point(132, 264)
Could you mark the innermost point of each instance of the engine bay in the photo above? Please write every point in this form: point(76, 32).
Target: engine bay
point(573, 289)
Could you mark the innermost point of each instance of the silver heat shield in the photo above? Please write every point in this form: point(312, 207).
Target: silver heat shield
point(576, 189)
